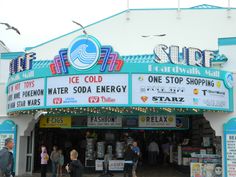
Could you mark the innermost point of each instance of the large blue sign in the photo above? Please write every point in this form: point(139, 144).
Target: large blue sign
point(84, 52)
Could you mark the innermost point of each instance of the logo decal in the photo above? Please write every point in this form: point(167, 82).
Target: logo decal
point(218, 84)
point(144, 98)
point(229, 80)
point(57, 100)
point(195, 91)
point(84, 52)
point(94, 99)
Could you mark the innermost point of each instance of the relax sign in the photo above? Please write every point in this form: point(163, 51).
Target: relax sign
point(190, 56)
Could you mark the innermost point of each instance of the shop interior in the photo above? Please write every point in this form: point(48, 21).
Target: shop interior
point(196, 144)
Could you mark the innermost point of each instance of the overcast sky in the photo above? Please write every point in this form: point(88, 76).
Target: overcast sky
point(42, 20)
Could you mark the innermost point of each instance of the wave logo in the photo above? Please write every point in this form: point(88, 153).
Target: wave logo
point(229, 80)
point(84, 52)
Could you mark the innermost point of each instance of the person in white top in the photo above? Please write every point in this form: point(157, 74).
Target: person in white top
point(153, 152)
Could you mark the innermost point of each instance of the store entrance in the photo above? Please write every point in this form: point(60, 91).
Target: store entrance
point(92, 144)
point(177, 147)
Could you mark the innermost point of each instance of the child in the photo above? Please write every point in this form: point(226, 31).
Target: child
point(60, 163)
point(75, 168)
point(44, 161)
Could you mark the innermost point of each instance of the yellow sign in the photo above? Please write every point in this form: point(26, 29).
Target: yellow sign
point(55, 122)
point(161, 121)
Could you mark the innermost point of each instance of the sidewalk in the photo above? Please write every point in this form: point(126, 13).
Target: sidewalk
point(146, 172)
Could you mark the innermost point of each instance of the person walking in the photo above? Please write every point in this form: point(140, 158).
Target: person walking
point(55, 159)
point(153, 152)
point(44, 161)
point(129, 159)
point(60, 163)
point(6, 159)
point(166, 150)
point(75, 167)
point(107, 158)
point(137, 154)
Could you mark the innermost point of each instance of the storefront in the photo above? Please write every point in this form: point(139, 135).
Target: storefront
point(100, 89)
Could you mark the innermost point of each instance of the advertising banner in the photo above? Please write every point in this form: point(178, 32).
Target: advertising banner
point(99, 165)
point(157, 121)
point(229, 148)
point(104, 121)
point(101, 89)
point(26, 94)
point(116, 165)
point(55, 122)
point(205, 169)
point(179, 91)
point(231, 154)
point(4, 136)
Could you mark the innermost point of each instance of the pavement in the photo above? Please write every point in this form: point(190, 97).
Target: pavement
point(142, 172)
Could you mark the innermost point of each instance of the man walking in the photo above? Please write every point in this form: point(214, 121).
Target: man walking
point(6, 159)
point(153, 152)
point(136, 151)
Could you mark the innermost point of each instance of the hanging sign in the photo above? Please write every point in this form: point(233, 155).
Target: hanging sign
point(55, 122)
point(104, 121)
point(157, 121)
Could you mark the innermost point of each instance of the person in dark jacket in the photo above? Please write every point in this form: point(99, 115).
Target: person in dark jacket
point(75, 167)
point(6, 159)
point(129, 159)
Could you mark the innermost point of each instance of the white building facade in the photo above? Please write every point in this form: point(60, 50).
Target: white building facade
point(135, 33)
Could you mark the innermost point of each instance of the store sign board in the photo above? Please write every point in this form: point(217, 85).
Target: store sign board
point(21, 63)
point(229, 148)
point(26, 94)
point(99, 165)
point(116, 165)
point(159, 121)
point(97, 89)
point(104, 121)
point(182, 122)
point(190, 56)
point(179, 91)
point(55, 122)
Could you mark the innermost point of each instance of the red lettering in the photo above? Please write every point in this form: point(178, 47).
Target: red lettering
point(93, 79)
point(17, 86)
point(28, 84)
point(74, 80)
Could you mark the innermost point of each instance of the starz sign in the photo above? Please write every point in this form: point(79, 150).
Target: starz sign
point(83, 54)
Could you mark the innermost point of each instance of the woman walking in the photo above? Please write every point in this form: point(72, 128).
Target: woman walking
point(129, 159)
point(44, 161)
point(60, 163)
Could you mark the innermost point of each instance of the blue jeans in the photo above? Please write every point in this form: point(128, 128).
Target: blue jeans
point(54, 169)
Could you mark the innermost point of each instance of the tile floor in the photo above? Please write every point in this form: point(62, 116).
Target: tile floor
point(161, 171)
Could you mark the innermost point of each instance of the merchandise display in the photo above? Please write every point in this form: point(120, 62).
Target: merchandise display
point(100, 150)
point(90, 153)
point(120, 150)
